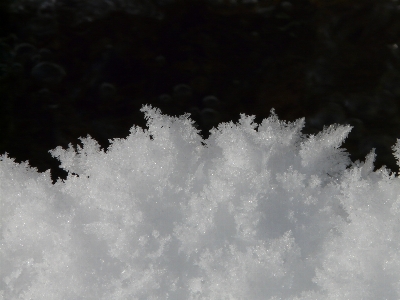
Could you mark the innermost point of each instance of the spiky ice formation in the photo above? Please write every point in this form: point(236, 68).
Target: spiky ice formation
point(253, 212)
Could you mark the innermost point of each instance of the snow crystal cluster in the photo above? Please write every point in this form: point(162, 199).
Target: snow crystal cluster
point(256, 211)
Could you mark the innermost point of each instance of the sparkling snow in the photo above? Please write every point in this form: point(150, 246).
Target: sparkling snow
point(256, 211)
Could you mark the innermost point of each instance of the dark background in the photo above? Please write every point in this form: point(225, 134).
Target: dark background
point(69, 70)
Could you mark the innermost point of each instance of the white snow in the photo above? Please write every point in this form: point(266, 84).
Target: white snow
point(253, 212)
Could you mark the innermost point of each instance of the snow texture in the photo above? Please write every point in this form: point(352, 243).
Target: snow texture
point(253, 212)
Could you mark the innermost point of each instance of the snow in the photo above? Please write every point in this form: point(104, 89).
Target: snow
point(256, 211)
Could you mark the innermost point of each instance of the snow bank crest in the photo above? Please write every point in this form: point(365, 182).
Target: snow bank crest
point(256, 211)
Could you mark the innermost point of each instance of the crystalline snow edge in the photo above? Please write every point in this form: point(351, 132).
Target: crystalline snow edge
point(297, 166)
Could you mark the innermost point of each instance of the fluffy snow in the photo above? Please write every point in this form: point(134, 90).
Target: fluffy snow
point(256, 211)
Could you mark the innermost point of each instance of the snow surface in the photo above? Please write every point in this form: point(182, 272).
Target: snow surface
point(253, 212)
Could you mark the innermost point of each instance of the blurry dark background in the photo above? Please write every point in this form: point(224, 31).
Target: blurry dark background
point(69, 69)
